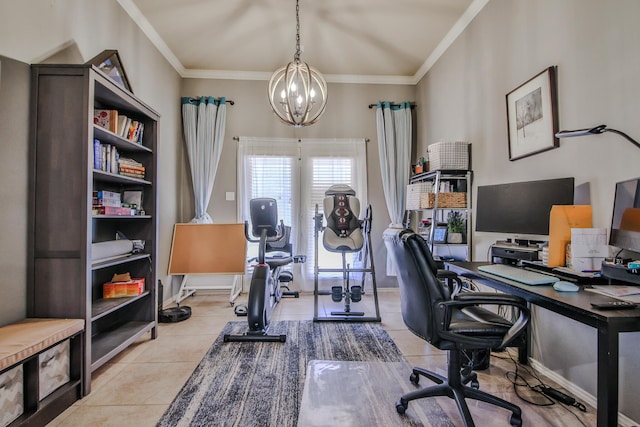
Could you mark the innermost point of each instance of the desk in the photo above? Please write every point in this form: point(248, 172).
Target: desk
point(577, 306)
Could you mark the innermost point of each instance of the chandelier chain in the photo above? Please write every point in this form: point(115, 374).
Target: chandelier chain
point(297, 55)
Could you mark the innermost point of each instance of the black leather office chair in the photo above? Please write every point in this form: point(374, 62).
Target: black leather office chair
point(450, 320)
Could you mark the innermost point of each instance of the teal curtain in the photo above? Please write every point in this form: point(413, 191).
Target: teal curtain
point(394, 146)
point(203, 122)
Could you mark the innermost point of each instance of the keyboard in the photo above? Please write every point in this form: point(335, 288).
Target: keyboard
point(518, 274)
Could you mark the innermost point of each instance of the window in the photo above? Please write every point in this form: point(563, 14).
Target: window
point(297, 173)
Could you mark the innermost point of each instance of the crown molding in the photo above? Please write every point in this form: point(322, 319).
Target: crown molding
point(132, 10)
point(461, 24)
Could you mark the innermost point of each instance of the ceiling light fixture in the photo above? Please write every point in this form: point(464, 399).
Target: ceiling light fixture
point(298, 92)
point(594, 131)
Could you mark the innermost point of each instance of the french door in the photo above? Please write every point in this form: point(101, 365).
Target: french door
point(297, 173)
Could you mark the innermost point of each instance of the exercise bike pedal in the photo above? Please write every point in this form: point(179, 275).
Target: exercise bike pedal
point(356, 293)
point(336, 293)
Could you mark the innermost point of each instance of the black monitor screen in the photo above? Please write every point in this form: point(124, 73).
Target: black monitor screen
point(264, 216)
point(625, 222)
point(521, 207)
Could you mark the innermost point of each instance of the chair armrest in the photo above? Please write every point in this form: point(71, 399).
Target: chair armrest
point(451, 279)
point(444, 310)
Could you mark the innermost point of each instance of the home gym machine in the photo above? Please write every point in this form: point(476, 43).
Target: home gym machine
point(345, 233)
point(265, 290)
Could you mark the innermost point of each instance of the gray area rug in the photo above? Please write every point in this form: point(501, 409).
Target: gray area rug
point(261, 383)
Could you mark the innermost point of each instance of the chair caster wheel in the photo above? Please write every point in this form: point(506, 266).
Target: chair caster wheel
point(414, 378)
point(401, 406)
point(514, 420)
point(475, 384)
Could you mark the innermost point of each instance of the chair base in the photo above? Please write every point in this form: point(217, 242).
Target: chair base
point(454, 387)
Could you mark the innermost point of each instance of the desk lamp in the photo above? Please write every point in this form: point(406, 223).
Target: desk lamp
point(594, 131)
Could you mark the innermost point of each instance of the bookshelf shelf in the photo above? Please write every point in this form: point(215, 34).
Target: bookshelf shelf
point(107, 345)
point(119, 260)
point(120, 179)
point(121, 143)
point(62, 228)
point(103, 307)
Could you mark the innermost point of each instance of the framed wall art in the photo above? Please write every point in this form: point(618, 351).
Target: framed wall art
point(108, 61)
point(532, 116)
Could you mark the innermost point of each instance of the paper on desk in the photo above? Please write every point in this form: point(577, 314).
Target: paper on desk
point(617, 290)
point(622, 292)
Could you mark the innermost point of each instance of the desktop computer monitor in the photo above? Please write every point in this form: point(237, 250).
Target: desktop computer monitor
point(521, 207)
point(625, 221)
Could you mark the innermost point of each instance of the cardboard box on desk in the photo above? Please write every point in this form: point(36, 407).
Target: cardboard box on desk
point(561, 220)
point(588, 249)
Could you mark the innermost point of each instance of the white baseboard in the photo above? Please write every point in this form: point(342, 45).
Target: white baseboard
point(577, 392)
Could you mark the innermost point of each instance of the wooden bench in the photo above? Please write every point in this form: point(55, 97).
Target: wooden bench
point(28, 365)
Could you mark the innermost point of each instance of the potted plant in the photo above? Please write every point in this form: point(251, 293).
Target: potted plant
point(455, 227)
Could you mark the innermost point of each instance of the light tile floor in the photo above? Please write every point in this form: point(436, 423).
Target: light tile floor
point(137, 386)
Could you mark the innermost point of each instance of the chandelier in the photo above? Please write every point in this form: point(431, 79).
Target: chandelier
point(297, 92)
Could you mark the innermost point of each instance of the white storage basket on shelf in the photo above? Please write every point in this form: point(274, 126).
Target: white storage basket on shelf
point(449, 155)
point(414, 192)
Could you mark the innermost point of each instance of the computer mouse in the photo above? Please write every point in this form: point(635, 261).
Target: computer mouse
point(563, 286)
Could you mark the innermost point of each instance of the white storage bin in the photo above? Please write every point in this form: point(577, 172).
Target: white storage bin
point(53, 368)
point(414, 191)
point(11, 395)
point(449, 155)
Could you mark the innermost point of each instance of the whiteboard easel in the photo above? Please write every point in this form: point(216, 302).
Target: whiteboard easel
point(205, 249)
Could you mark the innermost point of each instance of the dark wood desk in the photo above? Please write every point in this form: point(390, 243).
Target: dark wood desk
point(576, 306)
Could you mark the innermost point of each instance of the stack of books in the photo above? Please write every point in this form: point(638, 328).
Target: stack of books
point(131, 168)
point(105, 157)
point(119, 124)
point(109, 203)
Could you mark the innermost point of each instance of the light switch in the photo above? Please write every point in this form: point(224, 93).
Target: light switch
point(230, 196)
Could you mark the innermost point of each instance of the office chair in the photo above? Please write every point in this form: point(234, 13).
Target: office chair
point(450, 319)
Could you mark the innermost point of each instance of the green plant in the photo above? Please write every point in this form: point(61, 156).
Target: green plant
point(455, 222)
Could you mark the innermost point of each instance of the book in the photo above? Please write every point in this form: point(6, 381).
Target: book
point(125, 128)
point(122, 121)
point(107, 119)
point(112, 210)
point(97, 154)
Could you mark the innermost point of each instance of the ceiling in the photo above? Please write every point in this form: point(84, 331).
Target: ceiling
point(361, 41)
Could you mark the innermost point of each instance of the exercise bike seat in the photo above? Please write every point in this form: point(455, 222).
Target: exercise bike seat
point(344, 231)
point(278, 252)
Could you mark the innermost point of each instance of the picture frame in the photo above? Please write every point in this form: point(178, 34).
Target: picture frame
point(108, 61)
point(532, 116)
point(440, 234)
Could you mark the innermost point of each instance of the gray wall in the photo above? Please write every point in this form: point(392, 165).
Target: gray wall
point(71, 31)
point(595, 46)
point(347, 115)
point(14, 134)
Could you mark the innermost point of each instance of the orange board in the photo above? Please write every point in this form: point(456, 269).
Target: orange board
point(561, 220)
point(208, 249)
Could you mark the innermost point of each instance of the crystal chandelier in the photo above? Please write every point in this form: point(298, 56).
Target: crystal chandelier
point(298, 92)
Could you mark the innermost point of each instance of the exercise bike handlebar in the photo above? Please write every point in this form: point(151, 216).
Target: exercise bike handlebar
point(262, 241)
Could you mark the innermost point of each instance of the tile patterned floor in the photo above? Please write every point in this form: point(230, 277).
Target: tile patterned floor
point(137, 386)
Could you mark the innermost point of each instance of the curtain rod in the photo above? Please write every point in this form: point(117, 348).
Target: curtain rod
point(237, 138)
point(393, 104)
point(228, 101)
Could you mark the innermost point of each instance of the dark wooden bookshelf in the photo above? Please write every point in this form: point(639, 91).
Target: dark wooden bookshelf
point(63, 279)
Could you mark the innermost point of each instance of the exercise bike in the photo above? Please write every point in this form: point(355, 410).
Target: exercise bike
point(265, 290)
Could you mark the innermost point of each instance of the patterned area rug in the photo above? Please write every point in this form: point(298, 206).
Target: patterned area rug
point(261, 383)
